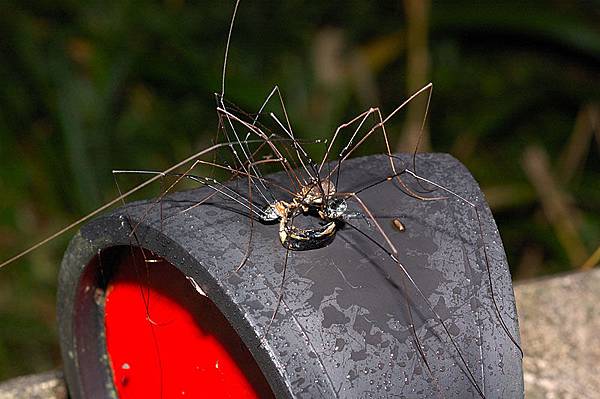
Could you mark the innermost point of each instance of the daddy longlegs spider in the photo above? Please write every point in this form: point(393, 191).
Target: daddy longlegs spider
point(314, 192)
point(312, 189)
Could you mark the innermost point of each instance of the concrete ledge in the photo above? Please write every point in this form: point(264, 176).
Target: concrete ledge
point(559, 319)
point(560, 332)
point(49, 385)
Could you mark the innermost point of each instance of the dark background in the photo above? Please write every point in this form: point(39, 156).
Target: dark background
point(87, 87)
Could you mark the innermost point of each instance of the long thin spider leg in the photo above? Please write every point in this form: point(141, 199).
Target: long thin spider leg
point(111, 203)
point(245, 153)
point(384, 121)
point(363, 116)
point(250, 158)
point(237, 172)
point(296, 143)
point(428, 86)
point(256, 130)
point(225, 57)
point(248, 154)
point(299, 150)
point(417, 340)
point(213, 184)
point(294, 165)
point(222, 96)
point(316, 180)
point(162, 195)
point(152, 324)
point(145, 295)
point(270, 142)
point(289, 131)
point(284, 162)
point(204, 181)
point(416, 336)
point(346, 152)
point(438, 318)
point(218, 187)
point(280, 294)
point(249, 246)
point(370, 215)
point(391, 157)
point(350, 141)
point(264, 104)
point(485, 254)
point(245, 150)
point(421, 132)
point(383, 180)
point(486, 257)
point(237, 3)
point(251, 214)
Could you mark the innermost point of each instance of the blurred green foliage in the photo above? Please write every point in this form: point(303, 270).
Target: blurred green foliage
point(87, 87)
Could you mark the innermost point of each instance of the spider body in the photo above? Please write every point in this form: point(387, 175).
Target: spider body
point(315, 199)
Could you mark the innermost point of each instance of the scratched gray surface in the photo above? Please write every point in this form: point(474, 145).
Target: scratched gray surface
point(343, 329)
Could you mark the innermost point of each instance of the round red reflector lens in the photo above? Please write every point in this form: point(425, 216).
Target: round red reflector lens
point(167, 340)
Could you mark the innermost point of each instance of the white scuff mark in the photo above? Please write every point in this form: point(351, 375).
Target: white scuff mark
point(196, 286)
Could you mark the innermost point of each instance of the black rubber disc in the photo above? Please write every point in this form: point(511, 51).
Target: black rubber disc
point(343, 329)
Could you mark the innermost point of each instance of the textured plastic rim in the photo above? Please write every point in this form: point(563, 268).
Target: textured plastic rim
point(343, 328)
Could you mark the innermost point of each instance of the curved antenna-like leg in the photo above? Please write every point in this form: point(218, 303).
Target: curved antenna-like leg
point(111, 203)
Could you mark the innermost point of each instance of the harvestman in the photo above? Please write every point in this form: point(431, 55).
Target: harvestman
point(316, 193)
point(313, 190)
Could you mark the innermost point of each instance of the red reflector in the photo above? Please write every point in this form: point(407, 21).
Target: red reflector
point(187, 350)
